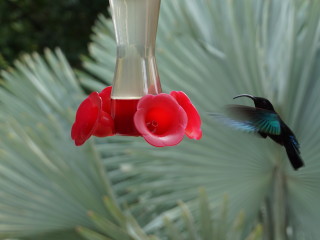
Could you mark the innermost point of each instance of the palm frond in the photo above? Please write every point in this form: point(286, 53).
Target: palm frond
point(209, 227)
point(46, 183)
point(122, 227)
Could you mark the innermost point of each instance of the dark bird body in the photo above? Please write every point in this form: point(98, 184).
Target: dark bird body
point(264, 120)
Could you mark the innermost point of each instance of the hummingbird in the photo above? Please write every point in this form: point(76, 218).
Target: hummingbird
point(265, 121)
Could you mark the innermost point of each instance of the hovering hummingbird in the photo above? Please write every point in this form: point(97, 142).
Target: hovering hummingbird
point(264, 120)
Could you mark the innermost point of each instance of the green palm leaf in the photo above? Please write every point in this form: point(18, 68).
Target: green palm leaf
point(46, 183)
point(209, 227)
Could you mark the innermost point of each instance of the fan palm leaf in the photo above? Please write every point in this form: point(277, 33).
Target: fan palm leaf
point(46, 183)
point(207, 228)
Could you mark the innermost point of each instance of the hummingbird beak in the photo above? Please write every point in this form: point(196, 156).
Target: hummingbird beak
point(245, 95)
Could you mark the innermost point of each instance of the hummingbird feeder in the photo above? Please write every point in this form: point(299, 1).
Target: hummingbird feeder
point(135, 105)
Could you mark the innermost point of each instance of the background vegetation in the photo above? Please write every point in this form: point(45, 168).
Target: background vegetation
point(122, 188)
point(31, 25)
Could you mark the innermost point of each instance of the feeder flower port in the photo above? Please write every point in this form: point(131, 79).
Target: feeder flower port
point(162, 119)
point(93, 118)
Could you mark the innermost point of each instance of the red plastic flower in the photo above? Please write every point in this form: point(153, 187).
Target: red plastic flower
point(193, 129)
point(93, 117)
point(160, 120)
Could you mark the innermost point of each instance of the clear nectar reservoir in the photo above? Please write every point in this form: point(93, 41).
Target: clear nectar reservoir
point(136, 73)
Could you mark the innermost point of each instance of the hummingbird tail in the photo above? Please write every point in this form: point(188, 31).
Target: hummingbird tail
point(293, 155)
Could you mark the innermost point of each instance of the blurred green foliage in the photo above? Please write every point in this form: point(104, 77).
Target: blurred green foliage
point(31, 25)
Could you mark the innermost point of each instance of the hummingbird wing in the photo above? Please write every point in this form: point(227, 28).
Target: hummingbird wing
point(251, 119)
point(238, 125)
point(262, 120)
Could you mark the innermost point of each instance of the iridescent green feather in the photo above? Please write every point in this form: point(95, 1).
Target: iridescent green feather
point(250, 119)
point(267, 122)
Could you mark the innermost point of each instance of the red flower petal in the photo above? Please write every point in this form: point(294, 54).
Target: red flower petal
point(87, 118)
point(193, 129)
point(105, 126)
point(105, 95)
point(160, 120)
point(93, 117)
